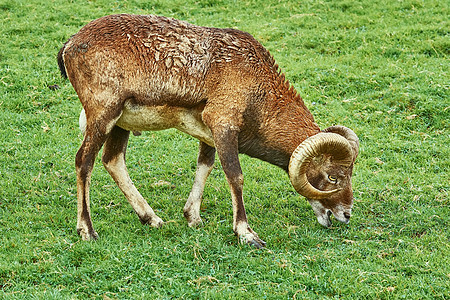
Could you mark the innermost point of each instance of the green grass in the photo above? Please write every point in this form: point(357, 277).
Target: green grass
point(380, 68)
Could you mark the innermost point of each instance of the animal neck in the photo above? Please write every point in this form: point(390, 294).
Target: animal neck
point(284, 123)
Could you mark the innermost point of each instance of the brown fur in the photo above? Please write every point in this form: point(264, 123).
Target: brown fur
point(152, 73)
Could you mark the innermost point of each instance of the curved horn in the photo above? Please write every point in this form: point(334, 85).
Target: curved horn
point(348, 134)
point(330, 143)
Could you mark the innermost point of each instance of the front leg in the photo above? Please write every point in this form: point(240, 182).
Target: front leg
point(205, 163)
point(226, 142)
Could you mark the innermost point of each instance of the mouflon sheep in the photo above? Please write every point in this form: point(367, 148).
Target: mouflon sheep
point(221, 86)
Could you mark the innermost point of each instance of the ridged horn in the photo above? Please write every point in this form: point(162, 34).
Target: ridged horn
point(348, 134)
point(322, 143)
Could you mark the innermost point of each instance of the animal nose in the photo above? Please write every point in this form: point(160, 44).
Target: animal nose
point(347, 215)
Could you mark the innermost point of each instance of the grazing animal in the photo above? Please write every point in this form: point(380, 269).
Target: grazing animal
point(221, 86)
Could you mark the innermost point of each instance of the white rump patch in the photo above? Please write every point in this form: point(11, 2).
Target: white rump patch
point(82, 121)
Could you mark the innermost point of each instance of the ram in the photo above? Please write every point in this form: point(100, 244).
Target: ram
point(221, 86)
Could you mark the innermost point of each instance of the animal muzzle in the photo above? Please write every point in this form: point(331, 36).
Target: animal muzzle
point(325, 218)
point(323, 214)
point(342, 215)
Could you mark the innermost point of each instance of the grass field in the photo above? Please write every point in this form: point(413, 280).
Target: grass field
point(380, 68)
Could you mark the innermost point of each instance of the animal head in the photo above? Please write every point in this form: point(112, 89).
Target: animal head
point(321, 168)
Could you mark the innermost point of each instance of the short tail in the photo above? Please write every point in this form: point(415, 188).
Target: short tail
point(62, 67)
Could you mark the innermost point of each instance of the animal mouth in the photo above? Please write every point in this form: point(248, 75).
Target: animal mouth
point(329, 214)
point(345, 219)
point(324, 218)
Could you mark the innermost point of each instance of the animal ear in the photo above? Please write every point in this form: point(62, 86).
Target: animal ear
point(349, 135)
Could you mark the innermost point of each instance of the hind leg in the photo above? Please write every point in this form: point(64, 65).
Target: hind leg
point(98, 127)
point(205, 163)
point(84, 165)
point(114, 161)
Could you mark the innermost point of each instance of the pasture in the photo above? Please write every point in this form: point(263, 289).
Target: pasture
point(377, 67)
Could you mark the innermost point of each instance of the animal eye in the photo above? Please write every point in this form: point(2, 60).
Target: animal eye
point(332, 178)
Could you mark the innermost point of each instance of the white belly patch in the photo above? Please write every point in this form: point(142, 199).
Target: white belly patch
point(151, 118)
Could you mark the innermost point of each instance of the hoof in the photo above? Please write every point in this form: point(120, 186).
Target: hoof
point(258, 243)
point(87, 236)
point(248, 236)
point(155, 221)
point(252, 240)
point(195, 222)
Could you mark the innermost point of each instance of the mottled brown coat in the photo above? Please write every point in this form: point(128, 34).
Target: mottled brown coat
point(135, 73)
